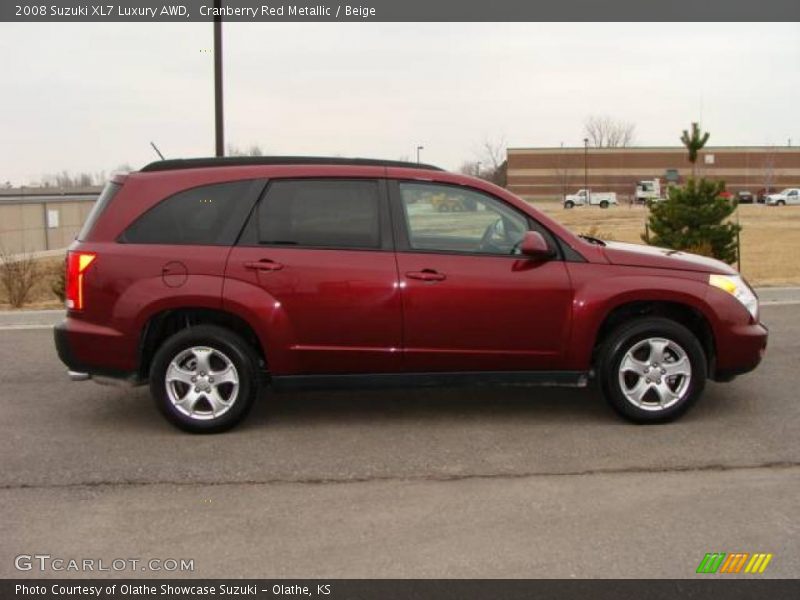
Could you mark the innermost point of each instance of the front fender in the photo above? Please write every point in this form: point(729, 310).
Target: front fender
point(600, 289)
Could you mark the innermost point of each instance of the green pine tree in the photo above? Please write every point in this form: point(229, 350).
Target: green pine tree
point(694, 142)
point(695, 218)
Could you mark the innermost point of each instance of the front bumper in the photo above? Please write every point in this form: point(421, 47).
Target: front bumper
point(741, 351)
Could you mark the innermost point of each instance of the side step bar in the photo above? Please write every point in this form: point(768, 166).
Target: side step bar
point(283, 383)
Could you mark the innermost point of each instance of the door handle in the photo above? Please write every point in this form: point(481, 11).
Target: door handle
point(264, 264)
point(426, 275)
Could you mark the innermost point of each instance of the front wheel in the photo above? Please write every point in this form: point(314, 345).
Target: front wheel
point(652, 370)
point(204, 379)
point(569, 204)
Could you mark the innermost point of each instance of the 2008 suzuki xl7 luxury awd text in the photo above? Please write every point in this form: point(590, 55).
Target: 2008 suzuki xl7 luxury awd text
point(215, 278)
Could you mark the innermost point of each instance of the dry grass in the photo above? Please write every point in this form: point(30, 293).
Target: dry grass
point(41, 295)
point(770, 235)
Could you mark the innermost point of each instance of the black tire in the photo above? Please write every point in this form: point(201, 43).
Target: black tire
point(604, 204)
point(638, 333)
point(781, 203)
point(222, 344)
point(569, 204)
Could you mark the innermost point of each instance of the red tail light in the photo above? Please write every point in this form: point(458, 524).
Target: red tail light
point(77, 263)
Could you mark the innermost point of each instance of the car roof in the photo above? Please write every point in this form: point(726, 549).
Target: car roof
point(242, 161)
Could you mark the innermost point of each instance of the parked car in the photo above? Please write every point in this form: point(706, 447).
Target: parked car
point(725, 194)
point(590, 198)
point(788, 196)
point(744, 197)
point(216, 279)
point(761, 195)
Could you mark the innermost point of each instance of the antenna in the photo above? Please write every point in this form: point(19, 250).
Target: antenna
point(161, 156)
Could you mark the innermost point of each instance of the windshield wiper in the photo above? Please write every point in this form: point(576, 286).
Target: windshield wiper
point(592, 240)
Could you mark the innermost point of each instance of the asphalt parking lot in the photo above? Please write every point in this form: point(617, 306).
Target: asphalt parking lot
point(514, 482)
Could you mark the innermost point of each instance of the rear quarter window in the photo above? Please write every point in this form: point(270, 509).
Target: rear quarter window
point(210, 215)
point(102, 202)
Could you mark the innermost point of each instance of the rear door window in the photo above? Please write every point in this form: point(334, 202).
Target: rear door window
point(319, 214)
point(210, 215)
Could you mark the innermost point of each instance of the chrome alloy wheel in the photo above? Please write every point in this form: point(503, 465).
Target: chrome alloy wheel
point(655, 374)
point(202, 383)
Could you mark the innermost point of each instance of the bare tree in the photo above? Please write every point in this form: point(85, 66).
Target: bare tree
point(66, 180)
point(18, 275)
point(493, 156)
point(606, 132)
point(253, 150)
point(494, 152)
point(491, 163)
point(470, 167)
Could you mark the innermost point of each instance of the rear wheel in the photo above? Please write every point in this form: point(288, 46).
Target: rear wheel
point(652, 370)
point(604, 204)
point(204, 379)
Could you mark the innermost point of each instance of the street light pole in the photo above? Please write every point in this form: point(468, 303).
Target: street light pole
point(219, 125)
point(418, 149)
point(586, 170)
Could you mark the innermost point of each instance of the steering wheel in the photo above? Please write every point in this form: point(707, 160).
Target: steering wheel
point(486, 238)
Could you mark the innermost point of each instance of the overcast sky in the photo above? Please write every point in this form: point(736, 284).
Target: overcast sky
point(89, 97)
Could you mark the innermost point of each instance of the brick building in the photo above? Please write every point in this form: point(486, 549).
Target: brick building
point(549, 173)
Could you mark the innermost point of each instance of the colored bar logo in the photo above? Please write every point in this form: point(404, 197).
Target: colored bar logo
point(734, 562)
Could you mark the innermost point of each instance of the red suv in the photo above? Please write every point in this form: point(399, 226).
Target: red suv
point(215, 278)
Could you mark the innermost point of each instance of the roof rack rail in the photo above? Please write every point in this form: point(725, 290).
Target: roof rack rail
point(239, 161)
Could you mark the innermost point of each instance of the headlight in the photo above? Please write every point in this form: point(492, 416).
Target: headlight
point(736, 287)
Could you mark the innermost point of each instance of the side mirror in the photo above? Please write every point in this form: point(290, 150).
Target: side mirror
point(534, 246)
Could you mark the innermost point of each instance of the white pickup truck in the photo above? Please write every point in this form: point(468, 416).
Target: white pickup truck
point(601, 199)
point(787, 196)
point(648, 190)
